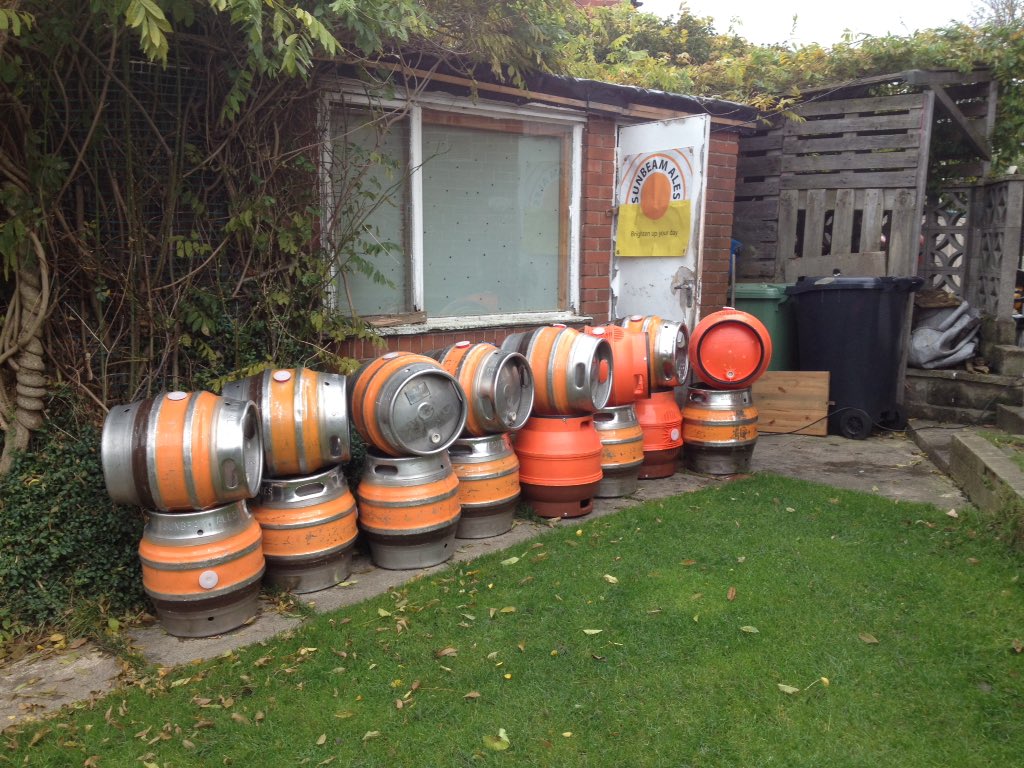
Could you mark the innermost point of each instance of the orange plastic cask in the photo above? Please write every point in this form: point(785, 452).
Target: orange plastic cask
point(559, 464)
point(730, 349)
point(662, 425)
point(667, 341)
point(631, 377)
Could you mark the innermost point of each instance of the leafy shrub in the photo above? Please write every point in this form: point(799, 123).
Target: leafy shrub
point(63, 544)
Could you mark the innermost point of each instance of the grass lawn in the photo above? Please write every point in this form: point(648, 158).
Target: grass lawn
point(658, 636)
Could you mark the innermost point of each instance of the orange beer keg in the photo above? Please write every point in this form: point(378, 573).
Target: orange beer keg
point(719, 430)
point(309, 528)
point(408, 509)
point(572, 372)
point(488, 473)
point(181, 451)
point(303, 417)
point(498, 385)
point(202, 570)
point(403, 404)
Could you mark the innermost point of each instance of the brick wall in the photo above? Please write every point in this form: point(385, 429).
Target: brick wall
point(596, 212)
point(718, 219)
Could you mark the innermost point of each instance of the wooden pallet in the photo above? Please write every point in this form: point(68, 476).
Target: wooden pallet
point(789, 401)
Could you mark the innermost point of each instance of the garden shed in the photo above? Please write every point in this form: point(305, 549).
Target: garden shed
point(511, 222)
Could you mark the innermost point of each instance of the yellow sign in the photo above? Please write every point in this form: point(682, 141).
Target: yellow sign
point(654, 204)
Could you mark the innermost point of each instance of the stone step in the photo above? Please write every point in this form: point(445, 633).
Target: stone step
point(950, 415)
point(989, 477)
point(959, 396)
point(1006, 359)
point(1010, 418)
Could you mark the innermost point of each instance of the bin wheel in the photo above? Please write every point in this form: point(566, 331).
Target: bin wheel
point(854, 424)
point(894, 418)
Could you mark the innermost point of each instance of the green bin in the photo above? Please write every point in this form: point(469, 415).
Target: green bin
point(769, 303)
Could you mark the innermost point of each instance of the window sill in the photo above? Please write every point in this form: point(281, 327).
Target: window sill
point(477, 322)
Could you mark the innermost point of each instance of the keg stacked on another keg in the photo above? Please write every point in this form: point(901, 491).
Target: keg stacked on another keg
point(558, 448)
point(410, 410)
point(622, 438)
point(499, 388)
point(729, 351)
point(658, 413)
point(306, 512)
point(190, 460)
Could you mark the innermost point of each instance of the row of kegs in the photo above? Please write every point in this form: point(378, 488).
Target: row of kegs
point(247, 488)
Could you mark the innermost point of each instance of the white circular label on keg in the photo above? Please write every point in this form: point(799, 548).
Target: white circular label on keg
point(389, 356)
point(208, 579)
point(177, 395)
point(635, 318)
point(282, 376)
point(598, 331)
point(462, 344)
point(675, 434)
point(558, 325)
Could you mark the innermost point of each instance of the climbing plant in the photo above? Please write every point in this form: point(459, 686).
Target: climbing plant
point(159, 178)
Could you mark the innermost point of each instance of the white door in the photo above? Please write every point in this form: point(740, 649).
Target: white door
point(662, 176)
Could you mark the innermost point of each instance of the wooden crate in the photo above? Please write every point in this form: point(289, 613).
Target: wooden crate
point(789, 401)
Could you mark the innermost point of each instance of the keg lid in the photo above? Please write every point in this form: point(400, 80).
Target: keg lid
point(513, 392)
point(282, 376)
point(389, 356)
point(597, 331)
point(177, 395)
point(427, 412)
point(462, 344)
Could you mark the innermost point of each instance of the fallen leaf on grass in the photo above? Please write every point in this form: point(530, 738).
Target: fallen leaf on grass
point(952, 513)
point(510, 561)
point(868, 638)
point(592, 631)
point(688, 563)
point(321, 739)
point(449, 651)
point(472, 695)
point(788, 689)
point(610, 579)
point(1018, 645)
point(973, 560)
point(731, 595)
point(508, 609)
point(497, 743)
point(238, 717)
point(370, 735)
point(749, 630)
point(382, 613)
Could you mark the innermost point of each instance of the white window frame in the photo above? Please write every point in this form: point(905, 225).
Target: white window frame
point(354, 94)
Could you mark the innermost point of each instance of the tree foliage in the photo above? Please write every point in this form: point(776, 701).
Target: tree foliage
point(685, 54)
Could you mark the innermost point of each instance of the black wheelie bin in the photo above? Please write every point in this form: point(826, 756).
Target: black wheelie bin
point(852, 327)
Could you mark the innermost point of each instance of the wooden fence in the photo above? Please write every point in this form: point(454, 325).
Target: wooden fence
point(846, 182)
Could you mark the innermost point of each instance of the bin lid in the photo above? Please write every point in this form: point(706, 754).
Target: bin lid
point(844, 283)
point(761, 291)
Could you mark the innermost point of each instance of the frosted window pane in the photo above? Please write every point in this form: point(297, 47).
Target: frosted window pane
point(369, 175)
point(491, 221)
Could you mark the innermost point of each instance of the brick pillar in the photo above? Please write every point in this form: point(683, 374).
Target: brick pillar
point(596, 214)
point(718, 220)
